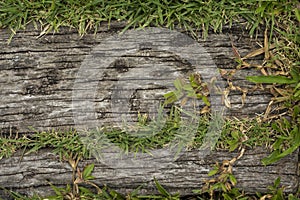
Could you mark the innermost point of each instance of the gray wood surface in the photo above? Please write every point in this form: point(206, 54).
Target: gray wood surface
point(34, 172)
point(39, 80)
point(38, 75)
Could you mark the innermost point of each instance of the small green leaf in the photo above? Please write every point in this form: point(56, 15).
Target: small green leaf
point(222, 185)
point(192, 78)
point(205, 100)
point(297, 93)
point(160, 188)
point(226, 196)
point(295, 74)
point(234, 147)
point(89, 178)
point(213, 172)
point(296, 111)
point(192, 94)
point(296, 135)
point(169, 94)
point(276, 155)
point(235, 192)
point(88, 171)
point(277, 182)
point(193, 83)
point(278, 143)
point(217, 186)
point(170, 97)
point(136, 191)
point(56, 190)
point(291, 196)
point(84, 190)
point(233, 144)
point(232, 179)
point(105, 194)
point(178, 84)
point(177, 95)
point(160, 15)
point(298, 86)
point(261, 9)
point(235, 135)
point(116, 195)
point(279, 194)
point(297, 14)
point(271, 79)
point(273, 157)
point(188, 87)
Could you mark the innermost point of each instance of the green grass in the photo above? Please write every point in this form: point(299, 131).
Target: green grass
point(191, 15)
point(66, 143)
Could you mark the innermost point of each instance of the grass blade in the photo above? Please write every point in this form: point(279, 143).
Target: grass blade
point(271, 79)
point(161, 189)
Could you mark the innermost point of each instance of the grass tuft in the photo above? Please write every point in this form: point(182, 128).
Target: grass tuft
point(191, 15)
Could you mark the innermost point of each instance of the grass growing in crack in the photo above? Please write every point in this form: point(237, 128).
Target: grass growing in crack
point(70, 148)
point(167, 130)
point(62, 143)
point(9, 145)
point(258, 133)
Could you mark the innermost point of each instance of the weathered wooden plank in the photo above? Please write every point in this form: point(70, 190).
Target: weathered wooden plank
point(37, 75)
point(34, 172)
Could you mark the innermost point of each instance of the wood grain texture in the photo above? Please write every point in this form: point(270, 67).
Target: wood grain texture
point(38, 75)
point(33, 173)
point(37, 83)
